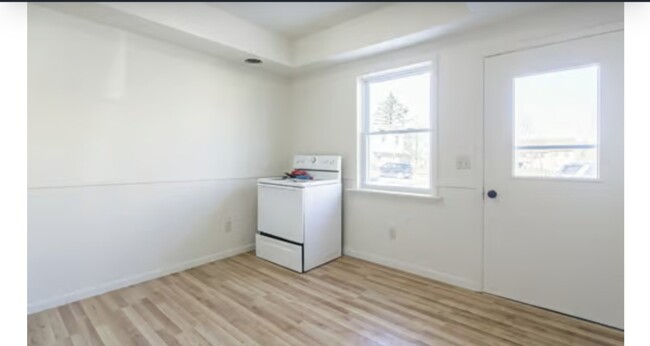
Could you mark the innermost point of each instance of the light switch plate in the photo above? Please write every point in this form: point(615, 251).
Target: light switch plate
point(463, 162)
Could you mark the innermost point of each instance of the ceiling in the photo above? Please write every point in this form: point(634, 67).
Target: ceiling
point(295, 37)
point(298, 19)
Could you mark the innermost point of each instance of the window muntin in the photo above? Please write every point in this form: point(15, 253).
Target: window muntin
point(556, 124)
point(396, 113)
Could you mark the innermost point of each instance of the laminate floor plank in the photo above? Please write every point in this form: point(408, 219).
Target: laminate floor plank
point(244, 300)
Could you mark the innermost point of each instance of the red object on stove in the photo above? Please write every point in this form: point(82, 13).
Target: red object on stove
point(296, 172)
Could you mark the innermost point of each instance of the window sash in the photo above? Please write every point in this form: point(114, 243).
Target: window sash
point(397, 132)
point(365, 183)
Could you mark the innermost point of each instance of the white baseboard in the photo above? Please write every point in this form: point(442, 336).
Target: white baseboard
point(421, 271)
point(33, 307)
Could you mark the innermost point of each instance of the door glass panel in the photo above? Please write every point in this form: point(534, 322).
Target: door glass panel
point(556, 124)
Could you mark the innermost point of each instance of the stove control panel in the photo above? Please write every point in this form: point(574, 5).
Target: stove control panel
point(317, 162)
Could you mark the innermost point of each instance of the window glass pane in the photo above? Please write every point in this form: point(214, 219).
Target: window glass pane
point(399, 160)
point(556, 124)
point(400, 104)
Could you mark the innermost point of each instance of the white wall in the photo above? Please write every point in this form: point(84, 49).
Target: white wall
point(440, 239)
point(140, 154)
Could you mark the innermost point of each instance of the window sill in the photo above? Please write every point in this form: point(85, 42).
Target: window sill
point(396, 194)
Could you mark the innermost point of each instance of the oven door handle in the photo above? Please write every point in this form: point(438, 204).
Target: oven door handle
point(280, 187)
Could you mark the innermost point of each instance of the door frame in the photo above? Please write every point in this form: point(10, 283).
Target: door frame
point(512, 48)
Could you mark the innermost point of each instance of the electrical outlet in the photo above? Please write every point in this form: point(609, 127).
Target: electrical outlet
point(227, 227)
point(463, 162)
point(392, 233)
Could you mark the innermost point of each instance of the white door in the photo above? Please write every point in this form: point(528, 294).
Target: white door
point(280, 212)
point(554, 177)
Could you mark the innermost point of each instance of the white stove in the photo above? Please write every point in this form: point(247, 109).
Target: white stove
point(299, 220)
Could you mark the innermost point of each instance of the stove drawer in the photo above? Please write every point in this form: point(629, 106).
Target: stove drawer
point(279, 252)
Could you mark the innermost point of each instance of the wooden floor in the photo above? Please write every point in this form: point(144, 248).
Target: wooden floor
point(245, 300)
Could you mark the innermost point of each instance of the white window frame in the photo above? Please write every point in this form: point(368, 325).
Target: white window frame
point(364, 132)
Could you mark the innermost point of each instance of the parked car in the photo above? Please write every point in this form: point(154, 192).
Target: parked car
point(578, 170)
point(396, 170)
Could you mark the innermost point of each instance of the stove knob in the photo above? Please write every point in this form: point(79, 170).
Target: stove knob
point(313, 159)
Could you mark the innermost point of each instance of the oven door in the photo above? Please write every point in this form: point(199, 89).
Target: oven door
point(280, 212)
